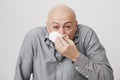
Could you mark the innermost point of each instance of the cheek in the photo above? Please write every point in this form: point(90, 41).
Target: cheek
point(49, 29)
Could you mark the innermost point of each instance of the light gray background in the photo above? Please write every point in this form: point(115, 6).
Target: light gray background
point(17, 17)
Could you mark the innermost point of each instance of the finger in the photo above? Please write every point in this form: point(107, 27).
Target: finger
point(58, 48)
point(58, 44)
point(68, 40)
point(65, 36)
point(62, 41)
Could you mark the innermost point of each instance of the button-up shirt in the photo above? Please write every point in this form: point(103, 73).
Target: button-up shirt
point(39, 57)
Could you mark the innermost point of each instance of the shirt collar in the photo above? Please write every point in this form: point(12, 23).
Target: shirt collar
point(47, 41)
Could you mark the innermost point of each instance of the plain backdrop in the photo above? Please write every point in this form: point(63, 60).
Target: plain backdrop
point(17, 17)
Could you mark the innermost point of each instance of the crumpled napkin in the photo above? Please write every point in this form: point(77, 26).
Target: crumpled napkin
point(54, 35)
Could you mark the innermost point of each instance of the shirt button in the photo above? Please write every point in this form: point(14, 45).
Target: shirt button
point(60, 63)
point(87, 76)
point(77, 68)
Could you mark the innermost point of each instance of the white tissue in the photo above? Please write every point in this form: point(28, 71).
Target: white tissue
point(54, 35)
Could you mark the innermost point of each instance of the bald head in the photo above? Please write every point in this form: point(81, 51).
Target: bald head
point(62, 19)
point(61, 11)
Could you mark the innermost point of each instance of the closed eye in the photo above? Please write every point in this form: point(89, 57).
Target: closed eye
point(55, 27)
point(67, 27)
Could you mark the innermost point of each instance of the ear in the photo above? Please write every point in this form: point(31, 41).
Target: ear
point(76, 24)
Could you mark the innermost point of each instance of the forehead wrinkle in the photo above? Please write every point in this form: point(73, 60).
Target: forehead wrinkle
point(62, 23)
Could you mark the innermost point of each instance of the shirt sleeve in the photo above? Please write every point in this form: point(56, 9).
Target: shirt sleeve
point(25, 59)
point(94, 65)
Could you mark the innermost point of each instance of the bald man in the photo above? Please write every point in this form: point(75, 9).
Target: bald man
point(75, 55)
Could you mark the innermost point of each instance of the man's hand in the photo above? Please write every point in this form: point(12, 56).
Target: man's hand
point(67, 48)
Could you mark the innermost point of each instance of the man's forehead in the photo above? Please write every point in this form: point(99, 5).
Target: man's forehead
point(61, 11)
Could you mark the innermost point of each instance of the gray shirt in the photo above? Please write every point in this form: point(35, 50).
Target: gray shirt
point(38, 56)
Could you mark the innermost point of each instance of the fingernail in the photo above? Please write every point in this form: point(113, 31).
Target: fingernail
point(66, 36)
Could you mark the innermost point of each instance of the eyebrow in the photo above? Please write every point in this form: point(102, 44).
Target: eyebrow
point(68, 22)
point(55, 23)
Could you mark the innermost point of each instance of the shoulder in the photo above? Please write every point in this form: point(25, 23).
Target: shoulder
point(84, 30)
point(87, 33)
point(35, 33)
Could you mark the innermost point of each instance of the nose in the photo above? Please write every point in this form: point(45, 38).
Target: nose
point(61, 31)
